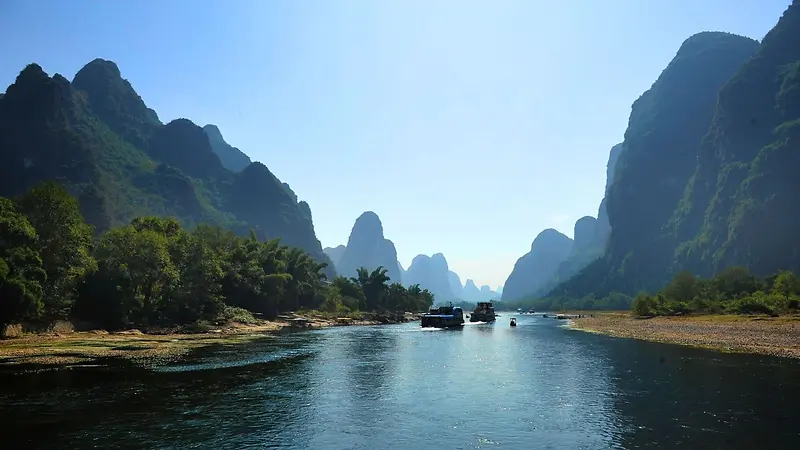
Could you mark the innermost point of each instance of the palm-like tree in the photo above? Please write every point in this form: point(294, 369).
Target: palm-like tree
point(373, 284)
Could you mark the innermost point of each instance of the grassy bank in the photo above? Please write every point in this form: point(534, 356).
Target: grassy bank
point(777, 336)
point(65, 348)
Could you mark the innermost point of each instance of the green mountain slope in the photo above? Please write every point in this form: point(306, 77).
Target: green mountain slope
point(666, 126)
point(740, 207)
point(98, 138)
point(231, 157)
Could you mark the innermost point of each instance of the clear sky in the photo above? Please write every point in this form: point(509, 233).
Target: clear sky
point(467, 126)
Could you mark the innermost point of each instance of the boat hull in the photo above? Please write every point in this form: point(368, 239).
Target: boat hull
point(478, 317)
point(441, 321)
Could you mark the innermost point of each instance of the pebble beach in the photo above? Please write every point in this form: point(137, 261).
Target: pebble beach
point(776, 336)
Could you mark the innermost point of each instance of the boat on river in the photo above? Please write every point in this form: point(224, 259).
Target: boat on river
point(513, 321)
point(484, 312)
point(443, 317)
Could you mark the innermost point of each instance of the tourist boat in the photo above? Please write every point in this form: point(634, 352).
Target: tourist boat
point(531, 311)
point(513, 321)
point(484, 312)
point(443, 317)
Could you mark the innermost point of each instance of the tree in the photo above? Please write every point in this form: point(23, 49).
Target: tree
point(373, 284)
point(197, 294)
point(141, 263)
point(644, 305)
point(21, 273)
point(735, 282)
point(64, 243)
point(352, 295)
point(787, 284)
point(682, 288)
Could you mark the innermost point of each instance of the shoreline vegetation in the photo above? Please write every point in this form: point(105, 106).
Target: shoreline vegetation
point(735, 311)
point(182, 287)
point(756, 334)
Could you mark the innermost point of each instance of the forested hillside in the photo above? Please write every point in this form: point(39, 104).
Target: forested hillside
point(153, 273)
point(665, 131)
point(97, 137)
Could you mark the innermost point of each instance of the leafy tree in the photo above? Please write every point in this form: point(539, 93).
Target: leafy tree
point(352, 295)
point(735, 282)
point(21, 273)
point(682, 288)
point(373, 284)
point(141, 263)
point(64, 243)
point(786, 284)
point(644, 305)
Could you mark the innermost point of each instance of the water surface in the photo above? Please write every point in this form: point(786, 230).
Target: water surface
point(490, 386)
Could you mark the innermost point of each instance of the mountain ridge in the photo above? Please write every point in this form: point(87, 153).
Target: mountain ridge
point(110, 150)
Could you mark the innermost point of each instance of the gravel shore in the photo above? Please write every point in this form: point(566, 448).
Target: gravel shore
point(777, 336)
point(144, 349)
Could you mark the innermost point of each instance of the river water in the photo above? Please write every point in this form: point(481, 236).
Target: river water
point(536, 386)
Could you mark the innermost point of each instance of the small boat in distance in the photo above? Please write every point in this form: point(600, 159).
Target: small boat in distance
point(531, 311)
point(484, 312)
point(513, 321)
point(443, 317)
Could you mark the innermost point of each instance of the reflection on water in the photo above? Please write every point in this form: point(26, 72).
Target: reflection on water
point(538, 385)
point(678, 398)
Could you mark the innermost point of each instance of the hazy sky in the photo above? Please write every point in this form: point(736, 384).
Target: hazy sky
point(467, 126)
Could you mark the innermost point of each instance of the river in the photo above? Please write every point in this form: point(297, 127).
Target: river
point(538, 386)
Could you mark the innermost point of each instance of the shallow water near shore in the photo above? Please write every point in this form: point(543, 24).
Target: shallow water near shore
point(539, 385)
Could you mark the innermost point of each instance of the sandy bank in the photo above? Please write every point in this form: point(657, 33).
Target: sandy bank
point(777, 336)
point(92, 347)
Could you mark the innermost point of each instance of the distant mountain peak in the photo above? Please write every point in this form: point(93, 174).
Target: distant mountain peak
point(432, 273)
point(335, 254)
point(548, 236)
point(231, 157)
point(105, 65)
point(183, 144)
point(367, 247)
point(115, 101)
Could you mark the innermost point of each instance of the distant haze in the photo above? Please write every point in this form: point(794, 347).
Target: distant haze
point(467, 126)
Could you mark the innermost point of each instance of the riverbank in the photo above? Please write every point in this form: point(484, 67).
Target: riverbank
point(776, 336)
point(69, 348)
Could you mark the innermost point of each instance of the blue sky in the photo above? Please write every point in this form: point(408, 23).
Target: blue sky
point(467, 126)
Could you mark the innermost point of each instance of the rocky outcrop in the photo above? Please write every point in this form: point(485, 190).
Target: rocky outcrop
point(368, 248)
point(665, 130)
point(455, 285)
point(740, 204)
point(98, 138)
point(116, 103)
point(432, 273)
point(537, 267)
point(231, 157)
point(488, 293)
point(603, 228)
point(335, 254)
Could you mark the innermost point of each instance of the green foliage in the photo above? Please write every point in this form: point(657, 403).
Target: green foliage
point(734, 291)
point(155, 273)
point(644, 305)
point(21, 273)
point(378, 294)
point(63, 243)
point(97, 137)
